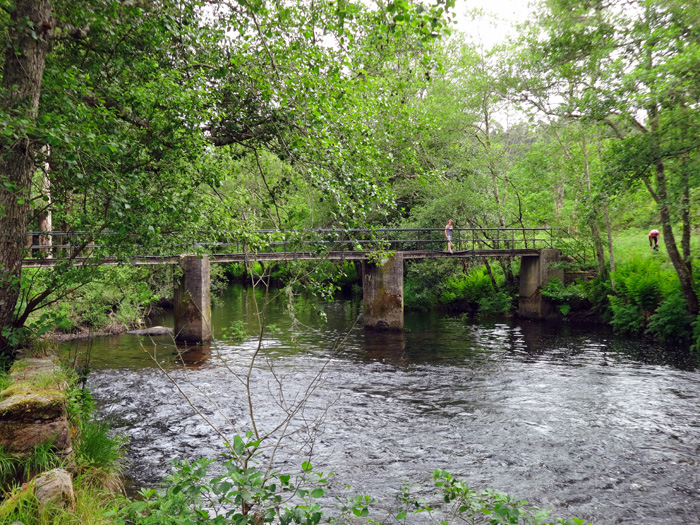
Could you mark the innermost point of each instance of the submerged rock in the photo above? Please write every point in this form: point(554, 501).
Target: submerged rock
point(154, 330)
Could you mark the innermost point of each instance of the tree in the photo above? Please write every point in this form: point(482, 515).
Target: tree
point(135, 96)
point(631, 66)
point(30, 26)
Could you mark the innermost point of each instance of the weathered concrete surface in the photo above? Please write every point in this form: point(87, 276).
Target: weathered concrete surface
point(382, 292)
point(55, 487)
point(193, 300)
point(536, 272)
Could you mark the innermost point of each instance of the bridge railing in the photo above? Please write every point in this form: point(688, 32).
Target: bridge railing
point(66, 244)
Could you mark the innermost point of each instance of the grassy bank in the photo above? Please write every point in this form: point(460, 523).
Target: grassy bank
point(95, 465)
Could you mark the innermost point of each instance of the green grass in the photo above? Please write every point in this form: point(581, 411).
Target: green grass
point(94, 505)
point(95, 448)
point(634, 242)
point(15, 469)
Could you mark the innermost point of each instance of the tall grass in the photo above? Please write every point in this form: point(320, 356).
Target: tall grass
point(93, 505)
point(95, 447)
point(16, 469)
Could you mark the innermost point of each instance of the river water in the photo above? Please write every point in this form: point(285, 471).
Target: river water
point(564, 415)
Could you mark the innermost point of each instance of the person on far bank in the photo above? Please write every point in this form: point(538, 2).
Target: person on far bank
point(448, 235)
point(654, 240)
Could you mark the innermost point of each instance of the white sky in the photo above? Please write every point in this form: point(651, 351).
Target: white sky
point(490, 32)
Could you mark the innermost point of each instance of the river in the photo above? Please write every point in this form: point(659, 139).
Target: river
point(566, 416)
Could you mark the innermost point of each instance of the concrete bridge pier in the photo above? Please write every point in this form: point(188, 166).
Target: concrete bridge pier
point(193, 300)
point(535, 272)
point(382, 293)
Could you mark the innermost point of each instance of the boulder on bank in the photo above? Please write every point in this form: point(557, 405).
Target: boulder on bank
point(55, 487)
point(154, 330)
point(33, 407)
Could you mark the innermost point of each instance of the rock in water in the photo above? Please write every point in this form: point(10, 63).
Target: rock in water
point(154, 330)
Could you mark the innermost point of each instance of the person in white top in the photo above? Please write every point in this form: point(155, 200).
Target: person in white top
point(448, 235)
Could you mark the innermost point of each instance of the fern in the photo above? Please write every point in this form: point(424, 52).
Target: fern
point(627, 318)
point(671, 321)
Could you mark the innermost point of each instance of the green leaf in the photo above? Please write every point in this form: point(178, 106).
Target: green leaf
point(238, 446)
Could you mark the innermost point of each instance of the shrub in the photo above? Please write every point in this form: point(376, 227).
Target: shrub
point(417, 297)
point(235, 271)
point(696, 335)
point(235, 332)
point(626, 317)
point(471, 287)
point(245, 496)
point(498, 303)
point(671, 320)
point(597, 292)
point(642, 282)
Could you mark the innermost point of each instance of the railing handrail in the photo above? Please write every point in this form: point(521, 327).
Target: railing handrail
point(273, 242)
point(304, 230)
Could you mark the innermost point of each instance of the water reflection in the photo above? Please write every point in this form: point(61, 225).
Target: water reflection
point(385, 347)
point(194, 355)
point(565, 415)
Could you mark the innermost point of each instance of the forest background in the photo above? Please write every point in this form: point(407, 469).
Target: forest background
point(168, 123)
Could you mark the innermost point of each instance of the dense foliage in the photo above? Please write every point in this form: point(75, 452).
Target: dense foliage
point(141, 126)
point(174, 122)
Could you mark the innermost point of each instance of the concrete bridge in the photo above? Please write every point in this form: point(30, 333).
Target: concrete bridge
point(381, 251)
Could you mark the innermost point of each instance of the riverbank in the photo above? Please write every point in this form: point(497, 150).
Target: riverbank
point(59, 464)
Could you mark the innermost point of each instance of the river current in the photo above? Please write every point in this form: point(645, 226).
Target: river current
point(564, 415)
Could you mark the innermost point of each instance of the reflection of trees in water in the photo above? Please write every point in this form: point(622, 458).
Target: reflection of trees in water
point(654, 353)
point(562, 340)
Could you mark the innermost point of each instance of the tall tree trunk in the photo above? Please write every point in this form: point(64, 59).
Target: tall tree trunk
point(23, 73)
point(684, 273)
point(611, 255)
point(45, 217)
point(599, 250)
point(493, 279)
point(685, 216)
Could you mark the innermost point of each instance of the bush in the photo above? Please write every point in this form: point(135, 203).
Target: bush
point(671, 320)
point(471, 287)
point(245, 496)
point(647, 296)
point(499, 303)
point(642, 281)
point(597, 292)
point(626, 317)
point(424, 283)
point(417, 297)
point(696, 335)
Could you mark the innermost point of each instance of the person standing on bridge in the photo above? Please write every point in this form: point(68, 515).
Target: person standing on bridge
point(654, 240)
point(448, 235)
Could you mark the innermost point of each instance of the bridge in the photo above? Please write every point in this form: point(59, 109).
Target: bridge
point(382, 252)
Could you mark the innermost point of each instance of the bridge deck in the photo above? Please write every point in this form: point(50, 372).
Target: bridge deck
point(282, 256)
